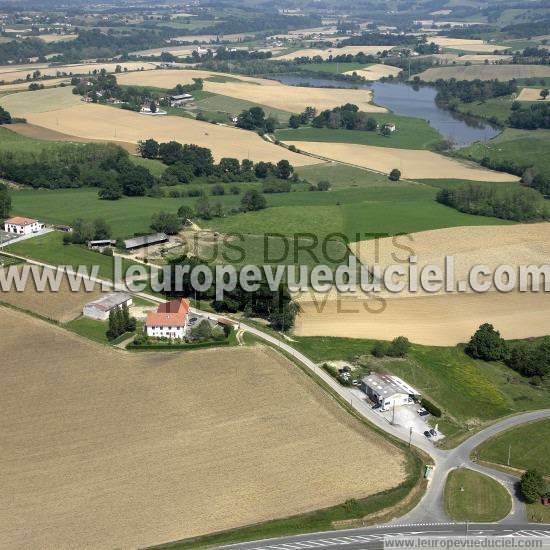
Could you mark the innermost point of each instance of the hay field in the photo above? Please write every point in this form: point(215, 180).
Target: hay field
point(376, 71)
point(468, 44)
point(265, 92)
point(68, 115)
point(60, 306)
point(182, 51)
point(21, 72)
point(480, 58)
point(442, 320)
point(531, 94)
point(326, 53)
point(211, 37)
point(107, 449)
point(485, 72)
point(414, 164)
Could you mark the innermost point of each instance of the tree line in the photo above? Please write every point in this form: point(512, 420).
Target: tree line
point(530, 117)
point(529, 358)
point(449, 92)
point(520, 204)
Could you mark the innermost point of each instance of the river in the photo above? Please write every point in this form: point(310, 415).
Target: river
point(404, 99)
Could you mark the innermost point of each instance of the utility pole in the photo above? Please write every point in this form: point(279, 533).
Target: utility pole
point(393, 414)
point(509, 453)
point(410, 435)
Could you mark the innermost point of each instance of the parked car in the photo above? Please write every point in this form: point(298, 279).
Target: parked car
point(433, 432)
point(376, 406)
point(427, 434)
point(422, 412)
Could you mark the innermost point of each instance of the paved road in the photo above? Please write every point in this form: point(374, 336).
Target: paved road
point(373, 537)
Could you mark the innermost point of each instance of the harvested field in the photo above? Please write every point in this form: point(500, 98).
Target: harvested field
point(485, 72)
point(376, 71)
point(326, 53)
point(62, 306)
point(531, 94)
point(494, 245)
point(20, 72)
point(467, 44)
point(99, 122)
point(179, 51)
point(442, 320)
point(480, 58)
point(265, 92)
point(414, 164)
point(211, 37)
point(105, 449)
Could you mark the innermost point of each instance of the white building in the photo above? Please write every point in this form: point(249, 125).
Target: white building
point(388, 390)
point(169, 321)
point(99, 309)
point(22, 226)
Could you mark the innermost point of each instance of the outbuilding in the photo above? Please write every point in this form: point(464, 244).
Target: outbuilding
point(99, 309)
point(388, 390)
point(145, 240)
point(22, 226)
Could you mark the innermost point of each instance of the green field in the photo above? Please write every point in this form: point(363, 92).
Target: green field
point(525, 147)
point(471, 496)
point(468, 392)
point(498, 108)
point(90, 328)
point(49, 248)
point(342, 175)
point(410, 133)
point(527, 445)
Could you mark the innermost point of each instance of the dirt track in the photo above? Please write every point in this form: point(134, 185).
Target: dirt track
point(105, 449)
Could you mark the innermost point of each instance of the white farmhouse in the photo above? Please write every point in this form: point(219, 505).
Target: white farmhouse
point(169, 321)
point(22, 226)
point(99, 309)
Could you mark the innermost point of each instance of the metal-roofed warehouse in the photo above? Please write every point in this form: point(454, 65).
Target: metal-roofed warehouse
point(388, 390)
point(145, 240)
point(100, 308)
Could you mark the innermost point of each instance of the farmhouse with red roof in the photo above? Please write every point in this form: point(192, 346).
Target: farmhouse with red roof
point(22, 226)
point(169, 321)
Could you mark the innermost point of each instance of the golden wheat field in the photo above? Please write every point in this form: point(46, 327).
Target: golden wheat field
point(376, 71)
point(441, 320)
point(413, 164)
point(25, 85)
point(102, 448)
point(258, 90)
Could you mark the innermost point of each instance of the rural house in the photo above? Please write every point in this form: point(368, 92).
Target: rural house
point(99, 309)
point(22, 226)
point(169, 321)
point(388, 390)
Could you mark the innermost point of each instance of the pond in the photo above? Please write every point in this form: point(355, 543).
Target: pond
point(404, 99)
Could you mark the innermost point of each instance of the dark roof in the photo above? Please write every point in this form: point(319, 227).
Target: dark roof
point(145, 240)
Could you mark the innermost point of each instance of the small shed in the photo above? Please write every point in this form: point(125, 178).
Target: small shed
point(145, 240)
point(99, 309)
point(101, 243)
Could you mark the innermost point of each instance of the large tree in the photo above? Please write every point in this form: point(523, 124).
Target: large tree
point(532, 486)
point(5, 201)
point(486, 344)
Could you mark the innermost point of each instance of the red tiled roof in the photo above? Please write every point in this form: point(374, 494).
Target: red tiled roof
point(20, 221)
point(169, 314)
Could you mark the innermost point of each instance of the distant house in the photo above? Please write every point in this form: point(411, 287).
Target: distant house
point(390, 126)
point(145, 240)
point(169, 321)
point(22, 226)
point(99, 309)
point(101, 243)
point(388, 390)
